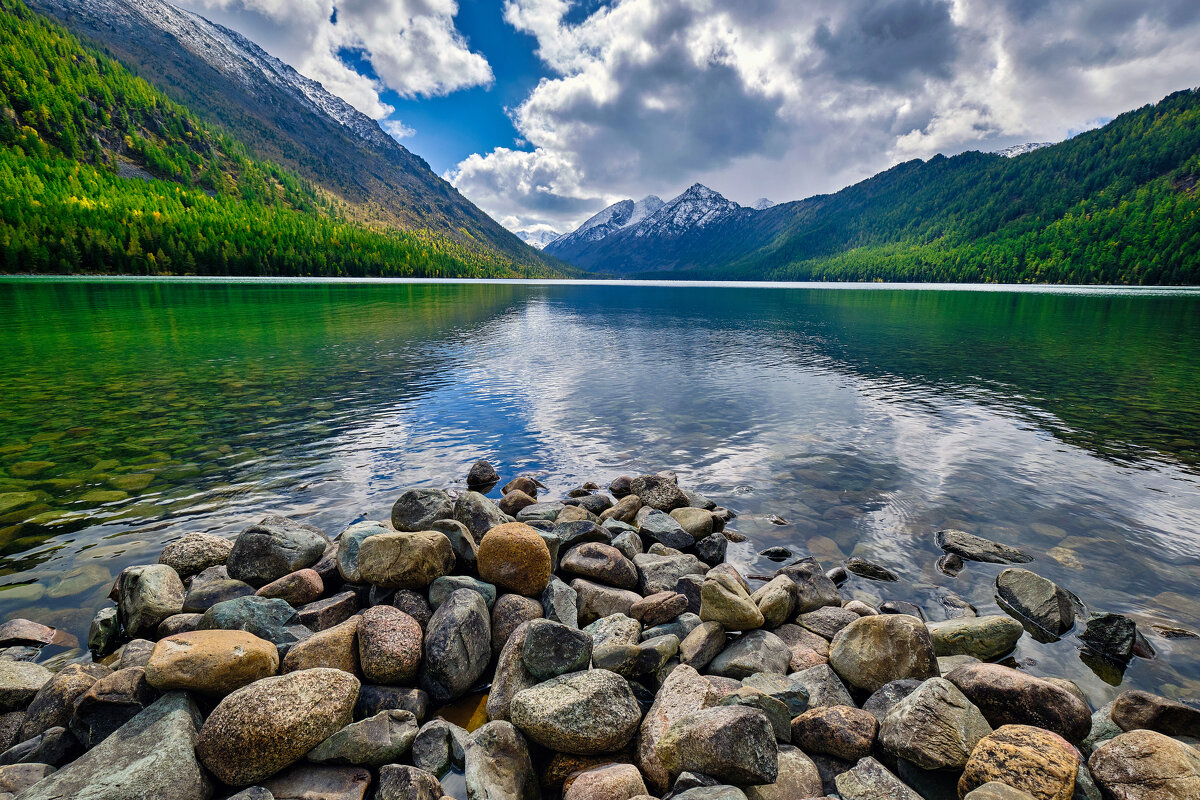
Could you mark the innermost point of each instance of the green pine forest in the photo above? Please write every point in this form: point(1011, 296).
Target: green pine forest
point(102, 173)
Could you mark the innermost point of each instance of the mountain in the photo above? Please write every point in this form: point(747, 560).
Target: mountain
point(618, 216)
point(538, 239)
point(285, 118)
point(101, 172)
point(762, 204)
point(1118, 204)
point(1021, 149)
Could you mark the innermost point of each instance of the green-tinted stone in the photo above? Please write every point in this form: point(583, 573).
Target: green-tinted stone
point(28, 469)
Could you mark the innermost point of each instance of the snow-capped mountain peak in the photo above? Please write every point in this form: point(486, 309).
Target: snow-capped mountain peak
point(1021, 149)
point(618, 216)
point(696, 207)
point(538, 238)
point(762, 204)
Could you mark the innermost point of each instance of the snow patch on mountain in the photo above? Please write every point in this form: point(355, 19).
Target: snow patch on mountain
point(1021, 149)
point(538, 238)
point(618, 216)
point(762, 204)
point(697, 207)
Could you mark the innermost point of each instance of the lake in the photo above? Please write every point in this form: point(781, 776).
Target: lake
point(1064, 421)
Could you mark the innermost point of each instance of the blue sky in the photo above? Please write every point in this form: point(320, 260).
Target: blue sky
point(544, 111)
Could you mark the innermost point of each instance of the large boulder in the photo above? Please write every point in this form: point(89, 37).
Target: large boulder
point(1007, 696)
point(725, 600)
point(734, 744)
point(1036, 600)
point(458, 646)
point(873, 651)
point(262, 728)
point(405, 560)
point(683, 692)
point(606, 782)
point(581, 712)
point(986, 638)
point(844, 732)
point(515, 558)
point(1136, 709)
point(1146, 765)
point(814, 589)
point(935, 727)
point(1031, 759)
point(602, 563)
point(274, 547)
point(150, 757)
point(146, 596)
point(211, 662)
point(418, 509)
point(195, 552)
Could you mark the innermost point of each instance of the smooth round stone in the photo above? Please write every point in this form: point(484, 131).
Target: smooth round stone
point(405, 560)
point(509, 612)
point(776, 601)
point(382, 739)
point(934, 727)
point(1136, 709)
point(211, 662)
point(724, 600)
point(24, 632)
point(458, 646)
point(658, 492)
point(1007, 696)
point(521, 483)
point(602, 563)
point(446, 585)
point(54, 703)
point(659, 608)
point(624, 510)
point(20, 682)
point(482, 473)
point(735, 744)
point(873, 651)
point(552, 649)
point(513, 557)
point(986, 638)
point(389, 645)
point(841, 731)
point(348, 543)
point(296, 588)
point(698, 522)
point(1026, 758)
point(512, 502)
point(1146, 765)
point(274, 547)
point(204, 593)
point(148, 595)
point(196, 552)
point(417, 509)
point(1036, 599)
point(266, 726)
point(335, 647)
point(606, 782)
point(581, 712)
point(752, 652)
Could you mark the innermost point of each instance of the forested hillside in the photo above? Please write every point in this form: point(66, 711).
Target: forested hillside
point(101, 172)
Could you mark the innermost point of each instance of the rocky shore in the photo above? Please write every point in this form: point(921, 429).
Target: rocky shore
point(597, 647)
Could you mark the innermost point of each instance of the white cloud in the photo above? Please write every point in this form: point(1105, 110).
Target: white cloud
point(397, 129)
point(412, 46)
point(788, 99)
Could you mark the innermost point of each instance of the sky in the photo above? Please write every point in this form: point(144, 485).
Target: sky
point(542, 112)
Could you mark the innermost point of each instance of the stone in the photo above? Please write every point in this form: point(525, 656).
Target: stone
point(1146, 765)
point(16, 777)
point(552, 649)
point(203, 594)
point(315, 782)
point(323, 614)
point(51, 707)
point(580, 712)
point(636, 661)
point(56, 746)
point(870, 780)
point(976, 548)
point(1103, 729)
point(514, 557)
point(510, 611)
point(776, 711)
point(901, 607)
point(870, 570)
point(135, 653)
point(702, 645)
point(873, 651)
point(601, 563)
point(178, 623)
point(390, 645)
point(464, 544)
point(458, 646)
point(212, 662)
point(1008, 696)
point(596, 600)
point(272, 723)
point(438, 746)
point(658, 492)
point(335, 648)
point(624, 510)
point(148, 595)
point(614, 629)
point(734, 744)
point(659, 608)
point(807, 648)
point(723, 600)
point(813, 588)
point(10, 724)
point(381, 739)
point(373, 699)
point(986, 638)
point(1136, 709)
point(540, 511)
point(664, 529)
point(1110, 636)
point(684, 691)
point(497, 764)
point(348, 544)
point(480, 515)
point(444, 586)
point(995, 790)
point(1034, 599)
point(843, 731)
point(510, 677)
point(405, 560)
point(712, 549)
point(1026, 758)
point(753, 651)
point(698, 522)
point(274, 547)
point(522, 483)
point(776, 600)
point(482, 473)
point(265, 618)
point(934, 727)
point(253, 793)
point(111, 701)
point(786, 689)
point(827, 621)
point(104, 630)
point(606, 782)
point(413, 604)
point(20, 682)
point(717, 792)
point(417, 510)
point(150, 757)
point(621, 486)
point(823, 686)
point(195, 552)
point(512, 502)
point(660, 573)
point(295, 588)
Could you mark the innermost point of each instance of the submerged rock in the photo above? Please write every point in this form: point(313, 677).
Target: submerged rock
point(976, 548)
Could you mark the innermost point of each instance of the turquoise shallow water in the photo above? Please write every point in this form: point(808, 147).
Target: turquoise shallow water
point(1065, 421)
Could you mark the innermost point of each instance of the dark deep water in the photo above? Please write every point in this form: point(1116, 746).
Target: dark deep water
point(1063, 421)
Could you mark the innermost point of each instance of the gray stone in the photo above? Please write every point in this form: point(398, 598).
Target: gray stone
point(1111, 636)
point(629, 543)
point(479, 514)
point(798, 778)
point(203, 594)
point(348, 544)
point(1036, 600)
point(935, 727)
point(753, 651)
point(148, 595)
point(719, 792)
point(634, 661)
point(885, 699)
point(438, 746)
point(373, 742)
point(552, 649)
point(601, 563)
point(20, 682)
point(985, 638)
point(775, 709)
point(872, 651)
point(702, 645)
point(870, 780)
point(104, 631)
point(52, 706)
point(458, 646)
point(510, 677)
point(870, 570)
point(994, 790)
point(543, 511)
point(976, 548)
point(661, 573)
point(684, 691)
point(373, 699)
point(582, 713)
point(444, 586)
point(679, 627)
point(417, 509)
point(734, 744)
point(614, 629)
point(109, 703)
point(597, 600)
point(658, 492)
point(560, 603)
point(813, 588)
point(150, 757)
point(317, 782)
point(823, 686)
point(509, 612)
point(1146, 765)
point(826, 621)
point(464, 545)
point(56, 746)
point(266, 618)
point(482, 473)
point(195, 552)
point(497, 765)
point(274, 547)
point(664, 529)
